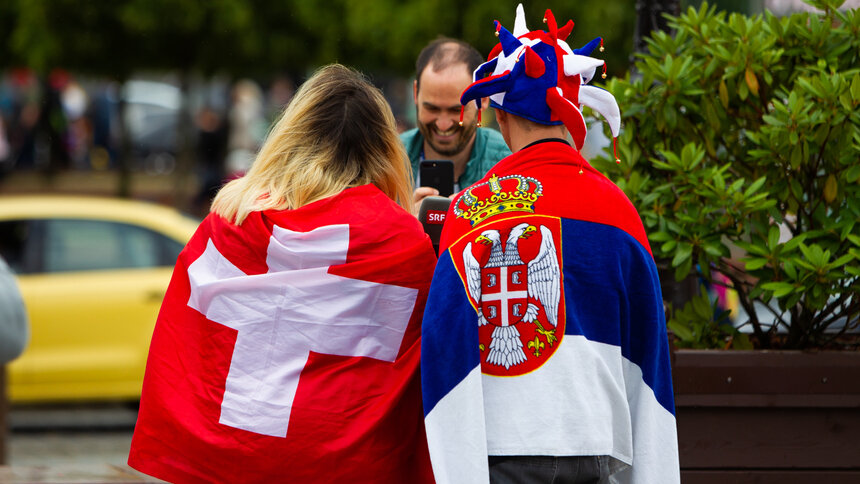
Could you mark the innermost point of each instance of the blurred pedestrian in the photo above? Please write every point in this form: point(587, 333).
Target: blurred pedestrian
point(5, 149)
point(76, 105)
point(287, 346)
point(212, 133)
point(27, 100)
point(104, 117)
point(14, 329)
point(247, 126)
point(14, 334)
point(53, 125)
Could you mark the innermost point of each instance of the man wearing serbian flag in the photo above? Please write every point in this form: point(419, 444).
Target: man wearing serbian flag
point(544, 348)
point(287, 346)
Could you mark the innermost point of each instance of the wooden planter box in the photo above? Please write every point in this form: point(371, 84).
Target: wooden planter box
point(768, 416)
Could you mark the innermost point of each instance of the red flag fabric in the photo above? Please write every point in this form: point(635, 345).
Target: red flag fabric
point(287, 349)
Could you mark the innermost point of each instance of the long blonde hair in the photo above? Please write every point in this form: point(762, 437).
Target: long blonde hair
point(337, 132)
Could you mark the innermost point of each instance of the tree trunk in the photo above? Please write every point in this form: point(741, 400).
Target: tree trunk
point(185, 155)
point(124, 157)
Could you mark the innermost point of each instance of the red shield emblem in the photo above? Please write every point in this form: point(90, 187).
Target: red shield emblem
point(504, 295)
point(511, 269)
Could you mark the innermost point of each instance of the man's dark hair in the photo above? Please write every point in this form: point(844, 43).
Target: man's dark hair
point(444, 52)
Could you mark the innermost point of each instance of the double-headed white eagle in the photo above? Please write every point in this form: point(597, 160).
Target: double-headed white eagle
point(543, 276)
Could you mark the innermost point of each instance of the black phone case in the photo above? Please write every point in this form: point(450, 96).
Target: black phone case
point(438, 174)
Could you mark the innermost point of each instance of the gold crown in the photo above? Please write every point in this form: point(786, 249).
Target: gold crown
point(512, 193)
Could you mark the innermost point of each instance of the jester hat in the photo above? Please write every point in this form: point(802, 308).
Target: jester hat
point(535, 75)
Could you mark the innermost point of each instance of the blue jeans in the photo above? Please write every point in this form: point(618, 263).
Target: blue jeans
point(529, 469)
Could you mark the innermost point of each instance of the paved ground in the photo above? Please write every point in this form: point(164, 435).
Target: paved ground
point(70, 444)
point(68, 447)
point(72, 474)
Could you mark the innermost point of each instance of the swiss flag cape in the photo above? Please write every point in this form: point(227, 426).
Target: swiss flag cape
point(287, 349)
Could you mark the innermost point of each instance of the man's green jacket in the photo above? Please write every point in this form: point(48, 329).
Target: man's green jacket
point(488, 149)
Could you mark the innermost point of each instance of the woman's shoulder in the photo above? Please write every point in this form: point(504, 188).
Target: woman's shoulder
point(379, 226)
point(386, 212)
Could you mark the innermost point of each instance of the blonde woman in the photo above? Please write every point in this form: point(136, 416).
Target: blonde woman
point(287, 346)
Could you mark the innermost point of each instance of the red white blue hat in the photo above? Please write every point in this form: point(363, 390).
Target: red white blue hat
point(537, 76)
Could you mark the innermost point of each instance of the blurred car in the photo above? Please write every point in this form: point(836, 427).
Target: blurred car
point(92, 273)
point(151, 116)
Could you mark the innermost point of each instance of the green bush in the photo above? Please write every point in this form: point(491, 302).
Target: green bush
point(733, 127)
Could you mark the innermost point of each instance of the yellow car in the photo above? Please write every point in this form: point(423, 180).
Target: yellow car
point(92, 273)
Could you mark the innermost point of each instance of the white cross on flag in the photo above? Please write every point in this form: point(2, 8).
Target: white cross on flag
point(287, 349)
point(503, 294)
point(295, 308)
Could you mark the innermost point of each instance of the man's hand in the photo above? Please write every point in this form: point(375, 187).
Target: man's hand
point(420, 194)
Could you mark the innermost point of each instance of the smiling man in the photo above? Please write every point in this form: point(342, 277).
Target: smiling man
point(443, 70)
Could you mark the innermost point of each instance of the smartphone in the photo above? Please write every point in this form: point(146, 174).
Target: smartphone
point(438, 174)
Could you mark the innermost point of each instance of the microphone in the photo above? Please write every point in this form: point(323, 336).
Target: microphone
point(432, 213)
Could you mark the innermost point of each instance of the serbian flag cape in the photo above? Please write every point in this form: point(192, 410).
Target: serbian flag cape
point(287, 349)
point(544, 331)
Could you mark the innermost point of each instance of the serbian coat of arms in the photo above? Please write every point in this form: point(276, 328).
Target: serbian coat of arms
point(511, 269)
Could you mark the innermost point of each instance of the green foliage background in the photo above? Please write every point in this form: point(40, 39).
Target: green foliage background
point(733, 125)
point(259, 37)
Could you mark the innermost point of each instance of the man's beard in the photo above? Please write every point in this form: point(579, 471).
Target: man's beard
point(464, 135)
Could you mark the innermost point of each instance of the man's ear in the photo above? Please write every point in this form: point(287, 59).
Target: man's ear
point(415, 91)
point(501, 116)
point(502, 120)
point(485, 103)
